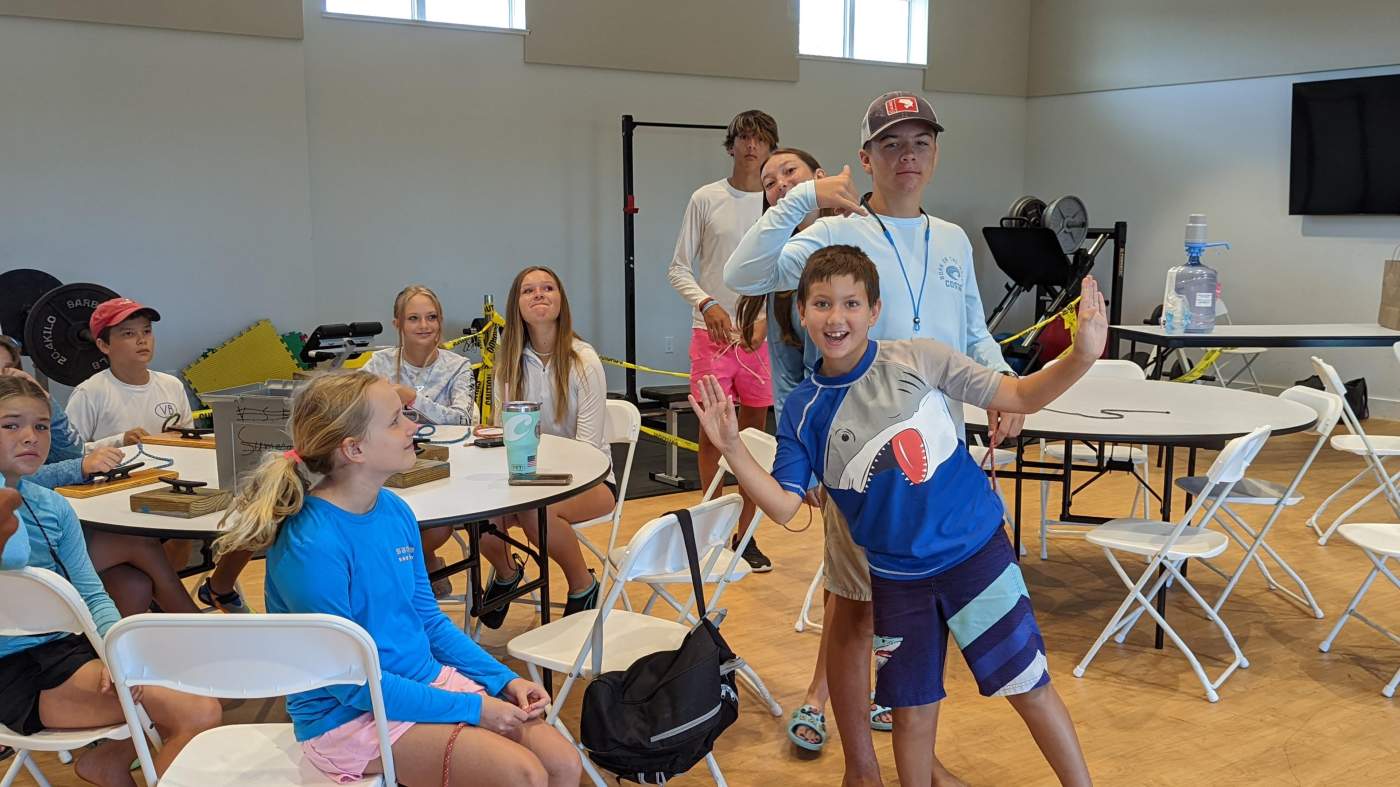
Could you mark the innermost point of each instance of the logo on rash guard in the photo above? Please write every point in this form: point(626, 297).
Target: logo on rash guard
point(405, 554)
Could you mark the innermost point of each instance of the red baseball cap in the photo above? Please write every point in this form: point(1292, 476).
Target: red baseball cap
point(116, 311)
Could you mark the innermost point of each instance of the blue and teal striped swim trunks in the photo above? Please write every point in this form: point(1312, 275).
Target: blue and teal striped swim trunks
point(982, 602)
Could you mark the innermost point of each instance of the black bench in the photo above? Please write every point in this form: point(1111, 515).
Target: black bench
point(675, 400)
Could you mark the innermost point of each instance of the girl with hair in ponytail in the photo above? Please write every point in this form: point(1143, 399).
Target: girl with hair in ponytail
point(339, 543)
point(435, 385)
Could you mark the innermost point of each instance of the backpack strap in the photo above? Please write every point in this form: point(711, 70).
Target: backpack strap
point(692, 556)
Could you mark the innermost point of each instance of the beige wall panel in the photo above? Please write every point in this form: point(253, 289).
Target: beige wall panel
point(269, 18)
point(978, 46)
point(1079, 46)
point(755, 39)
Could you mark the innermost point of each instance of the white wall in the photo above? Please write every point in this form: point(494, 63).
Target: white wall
point(439, 156)
point(1152, 155)
point(169, 166)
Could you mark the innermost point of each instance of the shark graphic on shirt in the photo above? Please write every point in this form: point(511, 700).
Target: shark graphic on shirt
point(890, 419)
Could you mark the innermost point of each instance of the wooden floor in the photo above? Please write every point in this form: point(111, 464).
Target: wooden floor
point(1295, 717)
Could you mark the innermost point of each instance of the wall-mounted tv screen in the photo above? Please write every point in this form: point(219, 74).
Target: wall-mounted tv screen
point(1346, 147)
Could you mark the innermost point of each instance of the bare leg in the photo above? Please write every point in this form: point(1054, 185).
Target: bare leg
point(433, 539)
point(914, 729)
point(539, 757)
point(226, 571)
point(496, 551)
point(129, 588)
point(145, 554)
point(749, 418)
point(817, 692)
point(177, 553)
point(849, 628)
point(1048, 720)
point(79, 703)
point(564, 548)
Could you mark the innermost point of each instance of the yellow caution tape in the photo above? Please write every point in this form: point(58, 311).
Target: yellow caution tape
point(493, 320)
point(670, 438)
point(205, 413)
point(1208, 360)
point(1069, 309)
point(640, 368)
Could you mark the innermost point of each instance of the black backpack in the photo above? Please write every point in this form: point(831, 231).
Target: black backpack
point(662, 715)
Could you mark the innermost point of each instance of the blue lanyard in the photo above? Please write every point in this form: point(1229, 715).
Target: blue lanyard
point(919, 301)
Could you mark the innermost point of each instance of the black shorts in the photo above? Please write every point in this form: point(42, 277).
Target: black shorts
point(25, 674)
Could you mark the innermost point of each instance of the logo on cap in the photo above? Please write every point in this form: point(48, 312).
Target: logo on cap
point(900, 104)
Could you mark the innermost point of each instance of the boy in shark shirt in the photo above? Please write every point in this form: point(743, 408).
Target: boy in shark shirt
point(875, 426)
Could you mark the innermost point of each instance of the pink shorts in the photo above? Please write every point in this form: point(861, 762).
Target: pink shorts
point(743, 374)
point(344, 752)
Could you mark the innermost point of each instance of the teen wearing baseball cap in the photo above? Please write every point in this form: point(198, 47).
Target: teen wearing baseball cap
point(932, 293)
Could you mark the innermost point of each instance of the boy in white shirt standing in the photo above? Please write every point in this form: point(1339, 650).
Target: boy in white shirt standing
point(715, 220)
point(128, 400)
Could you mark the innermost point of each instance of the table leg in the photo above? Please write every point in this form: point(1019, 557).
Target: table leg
point(1016, 519)
point(1066, 490)
point(542, 515)
point(1167, 467)
point(474, 589)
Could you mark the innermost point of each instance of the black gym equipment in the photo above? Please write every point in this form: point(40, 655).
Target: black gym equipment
point(1041, 248)
point(629, 245)
point(50, 320)
point(338, 342)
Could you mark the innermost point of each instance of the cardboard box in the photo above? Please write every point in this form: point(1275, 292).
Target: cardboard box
point(1390, 296)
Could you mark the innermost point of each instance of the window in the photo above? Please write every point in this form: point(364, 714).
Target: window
point(508, 14)
point(890, 30)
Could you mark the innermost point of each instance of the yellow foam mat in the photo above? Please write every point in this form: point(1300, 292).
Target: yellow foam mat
point(253, 356)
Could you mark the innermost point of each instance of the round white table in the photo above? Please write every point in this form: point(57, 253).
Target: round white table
point(477, 488)
point(1141, 412)
point(476, 491)
point(1155, 412)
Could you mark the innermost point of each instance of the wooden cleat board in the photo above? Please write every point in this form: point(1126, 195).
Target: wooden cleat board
point(174, 440)
point(423, 471)
point(137, 479)
point(436, 453)
point(186, 505)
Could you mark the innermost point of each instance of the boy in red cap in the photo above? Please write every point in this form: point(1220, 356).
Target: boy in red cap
point(120, 404)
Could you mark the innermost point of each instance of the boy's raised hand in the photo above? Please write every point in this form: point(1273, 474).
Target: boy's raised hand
point(1092, 333)
point(839, 194)
point(716, 413)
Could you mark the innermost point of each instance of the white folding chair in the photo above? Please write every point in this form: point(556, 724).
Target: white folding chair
point(608, 638)
point(38, 601)
point(1133, 456)
point(244, 657)
point(623, 425)
point(1258, 492)
point(1168, 546)
point(1374, 450)
point(1379, 542)
point(728, 565)
point(1246, 355)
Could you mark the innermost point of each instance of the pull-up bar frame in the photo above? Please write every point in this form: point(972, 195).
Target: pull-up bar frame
point(629, 240)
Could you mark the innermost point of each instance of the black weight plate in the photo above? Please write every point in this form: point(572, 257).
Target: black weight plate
point(56, 334)
point(19, 289)
point(1026, 212)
